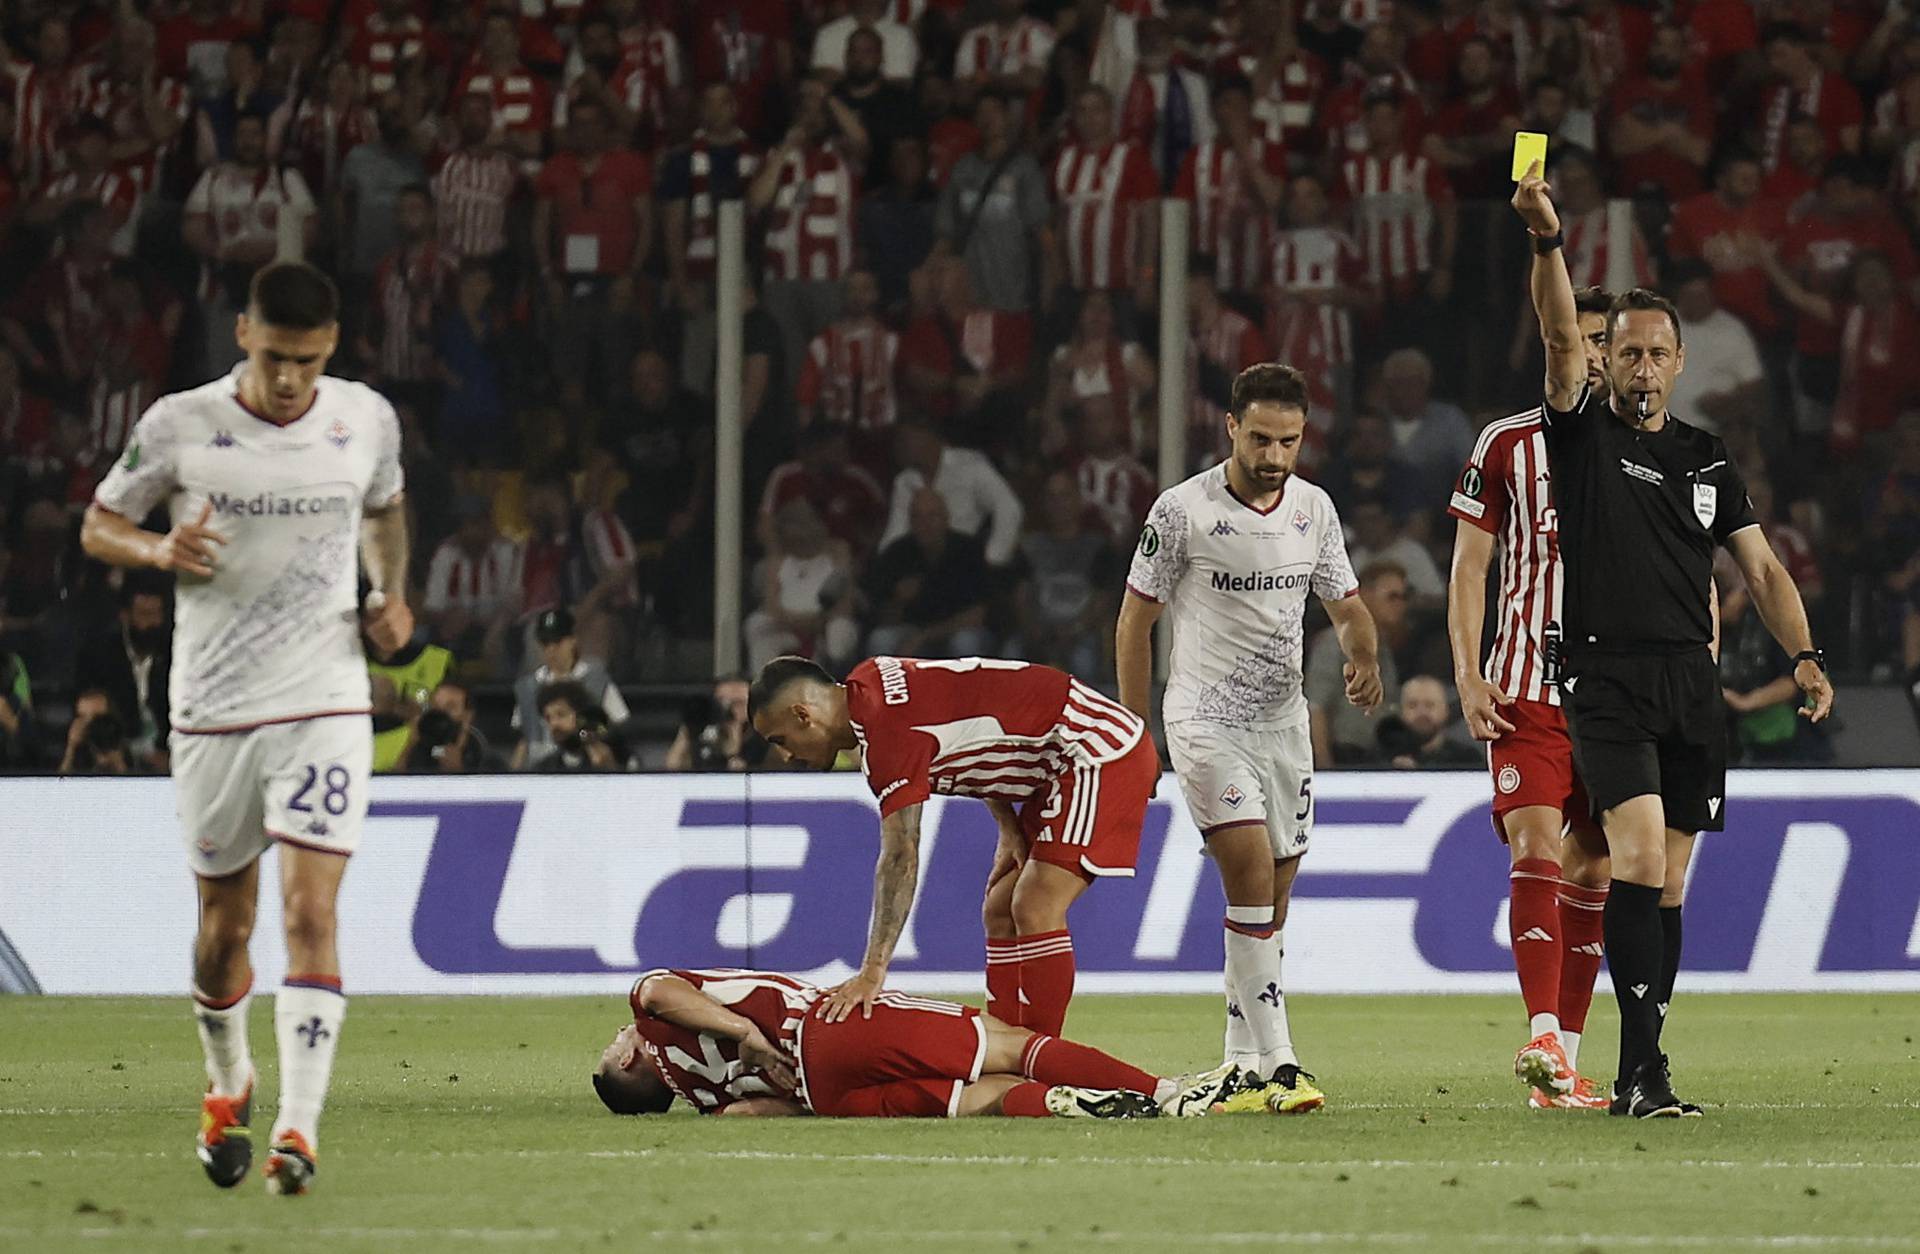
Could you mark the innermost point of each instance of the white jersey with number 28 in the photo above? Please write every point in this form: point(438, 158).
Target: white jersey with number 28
point(1235, 580)
point(274, 634)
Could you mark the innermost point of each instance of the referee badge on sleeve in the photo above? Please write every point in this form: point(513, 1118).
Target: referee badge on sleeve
point(1705, 503)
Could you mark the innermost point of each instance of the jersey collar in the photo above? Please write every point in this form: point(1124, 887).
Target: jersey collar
point(251, 412)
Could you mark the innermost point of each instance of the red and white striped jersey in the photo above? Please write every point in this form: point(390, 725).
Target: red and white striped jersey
point(44, 102)
point(610, 544)
point(809, 226)
point(471, 191)
point(123, 106)
point(111, 188)
point(705, 1071)
point(408, 285)
point(978, 727)
point(991, 51)
point(522, 101)
point(1229, 223)
point(1286, 110)
point(1587, 253)
point(1309, 261)
point(481, 586)
point(648, 75)
point(1393, 199)
point(1506, 490)
point(1118, 489)
point(382, 46)
point(1097, 190)
point(848, 374)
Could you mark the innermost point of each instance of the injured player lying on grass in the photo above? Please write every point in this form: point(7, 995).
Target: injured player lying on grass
point(738, 1042)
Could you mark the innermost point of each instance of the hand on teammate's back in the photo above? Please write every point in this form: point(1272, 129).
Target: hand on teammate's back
point(188, 549)
point(859, 991)
point(1533, 201)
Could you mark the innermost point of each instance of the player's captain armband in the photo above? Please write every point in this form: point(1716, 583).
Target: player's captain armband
point(1468, 506)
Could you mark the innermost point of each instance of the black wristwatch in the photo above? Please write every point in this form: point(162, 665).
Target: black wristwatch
point(1817, 656)
point(1544, 244)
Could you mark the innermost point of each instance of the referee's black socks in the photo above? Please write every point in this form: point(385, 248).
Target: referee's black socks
point(1636, 954)
point(1669, 960)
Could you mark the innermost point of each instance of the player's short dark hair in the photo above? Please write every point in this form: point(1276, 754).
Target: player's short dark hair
point(569, 690)
point(1270, 381)
point(776, 676)
point(293, 295)
point(1642, 298)
point(1594, 299)
point(622, 1097)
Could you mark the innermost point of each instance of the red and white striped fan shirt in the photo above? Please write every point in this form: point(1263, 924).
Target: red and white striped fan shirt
point(991, 51)
point(1393, 200)
point(1286, 110)
point(471, 191)
point(124, 108)
point(1120, 490)
point(1229, 223)
point(482, 586)
point(44, 102)
point(1097, 190)
point(848, 374)
point(381, 47)
point(979, 727)
point(809, 227)
point(115, 190)
point(1587, 253)
point(648, 75)
point(408, 285)
point(1309, 260)
point(1506, 490)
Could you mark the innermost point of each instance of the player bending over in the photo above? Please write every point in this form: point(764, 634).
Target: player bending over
point(273, 477)
point(732, 1042)
point(1230, 556)
point(1558, 888)
point(1066, 771)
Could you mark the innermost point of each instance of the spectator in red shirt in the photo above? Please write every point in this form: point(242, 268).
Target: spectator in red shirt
point(1802, 85)
point(522, 101)
point(964, 364)
point(55, 321)
point(1617, 37)
point(1221, 343)
point(1722, 32)
point(592, 227)
point(90, 176)
point(1115, 484)
point(826, 475)
point(1407, 222)
point(1877, 328)
point(474, 185)
point(1660, 128)
point(848, 375)
point(1710, 226)
point(1107, 236)
point(390, 36)
point(411, 288)
point(1378, 71)
point(1471, 136)
point(1796, 179)
point(1098, 362)
point(144, 109)
point(193, 43)
point(747, 44)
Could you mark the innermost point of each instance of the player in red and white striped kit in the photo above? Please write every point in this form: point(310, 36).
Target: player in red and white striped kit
point(1066, 771)
point(1558, 887)
point(732, 1042)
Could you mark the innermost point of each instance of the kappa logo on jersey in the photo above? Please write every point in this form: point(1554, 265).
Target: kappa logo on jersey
point(221, 439)
point(1233, 796)
point(1509, 780)
point(1301, 522)
point(1223, 528)
point(338, 434)
point(1149, 540)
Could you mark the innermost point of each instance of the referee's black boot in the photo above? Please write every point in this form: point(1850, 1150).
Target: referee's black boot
point(1650, 1096)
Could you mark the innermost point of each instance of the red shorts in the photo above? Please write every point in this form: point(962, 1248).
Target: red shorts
point(909, 1061)
point(1088, 821)
point(1532, 765)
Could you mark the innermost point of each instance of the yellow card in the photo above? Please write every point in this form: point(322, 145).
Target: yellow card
point(1528, 147)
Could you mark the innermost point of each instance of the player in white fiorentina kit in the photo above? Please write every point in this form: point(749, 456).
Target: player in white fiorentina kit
point(1557, 887)
point(275, 479)
point(1229, 556)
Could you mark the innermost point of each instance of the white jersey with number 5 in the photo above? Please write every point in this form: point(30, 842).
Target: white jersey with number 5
point(274, 634)
point(1235, 580)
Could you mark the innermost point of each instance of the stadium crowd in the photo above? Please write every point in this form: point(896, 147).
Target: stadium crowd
point(951, 356)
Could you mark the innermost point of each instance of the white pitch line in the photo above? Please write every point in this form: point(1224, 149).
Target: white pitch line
point(1076, 1160)
point(1157, 1240)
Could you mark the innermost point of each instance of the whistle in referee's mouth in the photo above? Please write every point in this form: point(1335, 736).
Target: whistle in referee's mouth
point(1643, 408)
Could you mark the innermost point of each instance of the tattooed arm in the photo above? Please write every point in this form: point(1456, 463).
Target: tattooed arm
point(895, 877)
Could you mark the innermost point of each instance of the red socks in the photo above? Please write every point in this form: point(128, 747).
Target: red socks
point(1050, 1060)
point(1533, 921)
point(1046, 978)
point(1026, 1101)
point(1582, 918)
point(1003, 981)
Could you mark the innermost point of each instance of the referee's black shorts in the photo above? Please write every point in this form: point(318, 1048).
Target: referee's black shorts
point(1650, 723)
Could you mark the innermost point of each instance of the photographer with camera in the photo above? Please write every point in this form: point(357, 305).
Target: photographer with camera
point(561, 661)
point(582, 738)
point(97, 739)
point(445, 739)
point(713, 733)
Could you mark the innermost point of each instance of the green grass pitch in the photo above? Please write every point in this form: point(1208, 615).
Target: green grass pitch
point(467, 1124)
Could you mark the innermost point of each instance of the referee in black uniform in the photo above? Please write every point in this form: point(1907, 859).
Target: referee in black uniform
point(1643, 498)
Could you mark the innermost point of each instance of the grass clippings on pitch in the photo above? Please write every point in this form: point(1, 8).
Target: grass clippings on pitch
point(464, 1124)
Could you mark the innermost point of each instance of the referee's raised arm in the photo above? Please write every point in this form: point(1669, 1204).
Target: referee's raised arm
point(1552, 293)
